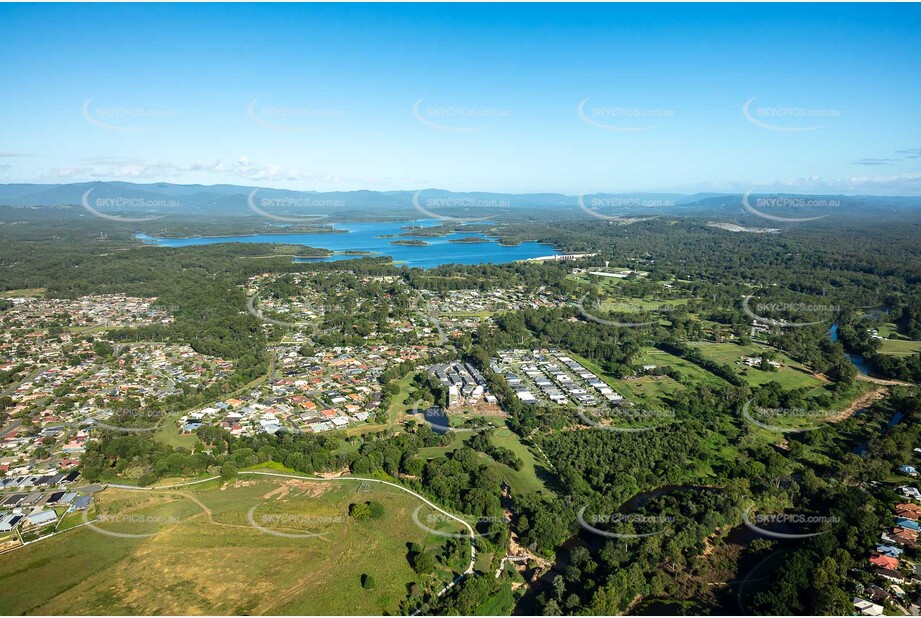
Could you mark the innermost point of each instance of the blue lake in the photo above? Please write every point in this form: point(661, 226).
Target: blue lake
point(367, 237)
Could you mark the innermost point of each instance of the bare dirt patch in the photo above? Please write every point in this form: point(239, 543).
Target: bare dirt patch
point(311, 489)
point(863, 401)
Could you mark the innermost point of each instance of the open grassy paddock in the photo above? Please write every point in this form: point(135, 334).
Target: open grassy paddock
point(197, 552)
point(790, 375)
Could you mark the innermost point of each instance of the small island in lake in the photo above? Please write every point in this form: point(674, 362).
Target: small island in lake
point(409, 243)
point(470, 239)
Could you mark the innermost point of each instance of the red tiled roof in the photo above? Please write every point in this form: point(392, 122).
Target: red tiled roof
point(886, 562)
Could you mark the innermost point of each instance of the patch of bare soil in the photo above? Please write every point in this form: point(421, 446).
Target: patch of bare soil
point(237, 484)
point(523, 558)
point(334, 475)
point(863, 401)
point(311, 489)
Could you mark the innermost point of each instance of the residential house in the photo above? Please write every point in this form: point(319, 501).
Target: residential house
point(866, 608)
point(890, 575)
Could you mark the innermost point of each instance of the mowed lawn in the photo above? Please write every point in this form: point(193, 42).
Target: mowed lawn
point(790, 376)
point(899, 347)
point(205, 557)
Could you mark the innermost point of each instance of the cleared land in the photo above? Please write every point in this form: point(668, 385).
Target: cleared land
point(791, 375)
point(205, 557)
point(900, 347)
point(653, 390)
point(525, 480)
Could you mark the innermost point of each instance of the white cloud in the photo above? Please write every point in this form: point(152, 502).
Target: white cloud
point(126, 168)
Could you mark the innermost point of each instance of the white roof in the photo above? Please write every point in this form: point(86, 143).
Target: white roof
point(42, 517)
point(867, 608)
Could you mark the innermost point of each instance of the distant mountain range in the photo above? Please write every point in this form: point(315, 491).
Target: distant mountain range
point(168, 198)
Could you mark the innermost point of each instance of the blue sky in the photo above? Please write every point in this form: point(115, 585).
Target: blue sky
point(517, 98)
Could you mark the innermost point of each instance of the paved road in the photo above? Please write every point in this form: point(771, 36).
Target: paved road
point(425, 309)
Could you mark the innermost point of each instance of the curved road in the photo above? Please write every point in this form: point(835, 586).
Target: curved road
point(337, 479)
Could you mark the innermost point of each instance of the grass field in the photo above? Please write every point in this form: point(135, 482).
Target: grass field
point(652, 390)
point(404, 400)
point(457, 441)
point(205, 557)
point(791, 375)
point(637, 305)
point(900, 347)
point(25, 292)
point(168, 433)
point(525, 480)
